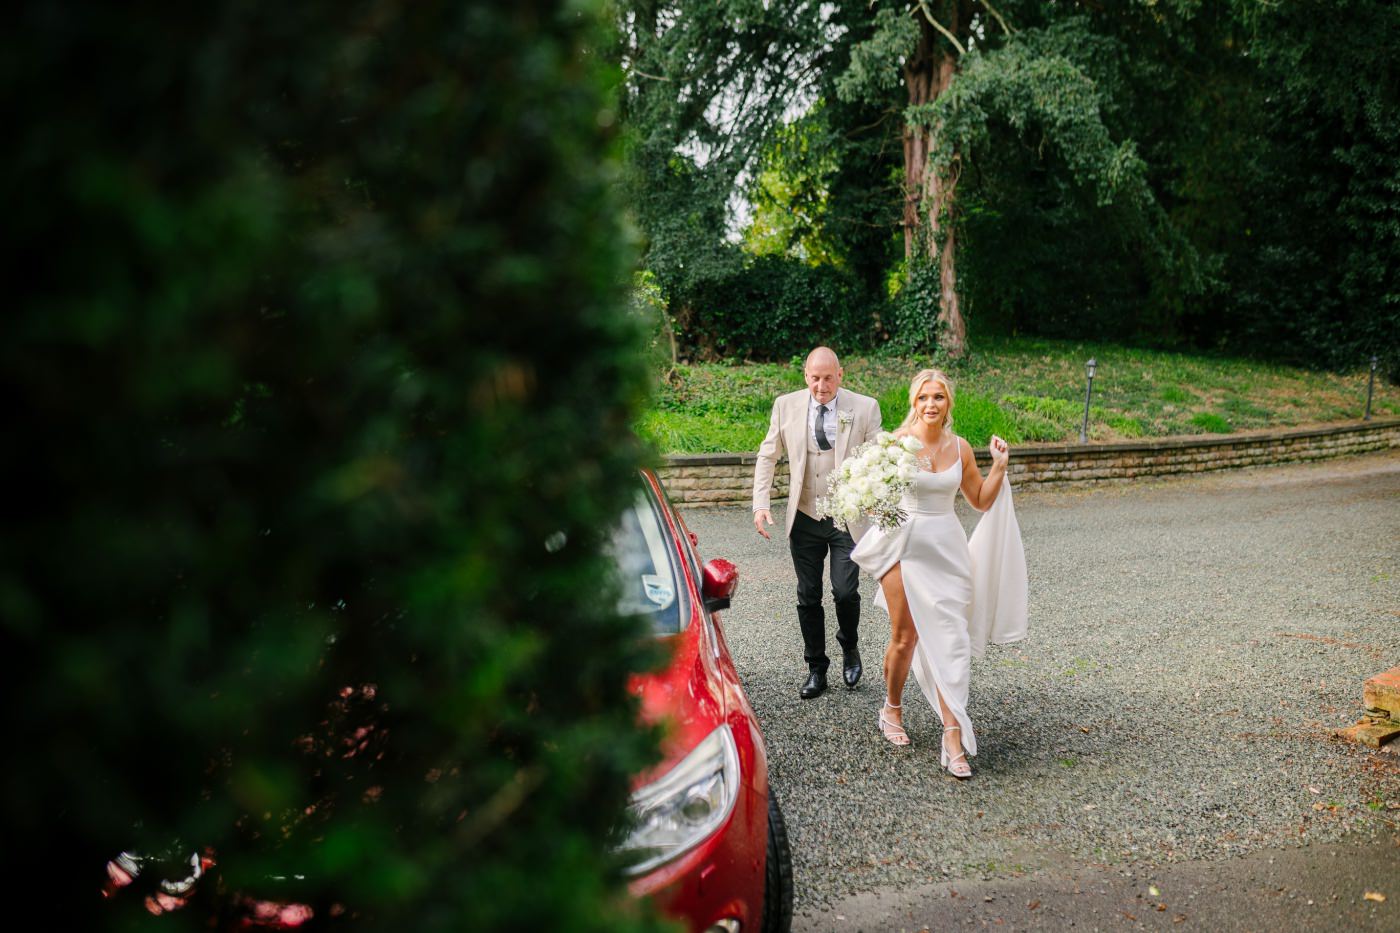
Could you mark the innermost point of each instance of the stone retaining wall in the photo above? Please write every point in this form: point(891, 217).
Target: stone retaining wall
point(727, 479)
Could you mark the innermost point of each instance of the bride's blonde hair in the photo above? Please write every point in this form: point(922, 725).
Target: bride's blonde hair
point(929, 375)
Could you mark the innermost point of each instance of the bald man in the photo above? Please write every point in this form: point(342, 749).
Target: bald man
point(816, 427)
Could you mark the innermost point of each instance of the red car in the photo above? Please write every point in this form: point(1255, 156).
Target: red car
point(705, 838)
point(707, 835)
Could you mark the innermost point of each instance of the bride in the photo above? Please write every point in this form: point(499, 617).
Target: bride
point(947, 597)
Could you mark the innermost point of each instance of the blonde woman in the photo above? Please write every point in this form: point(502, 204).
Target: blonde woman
point(946, 596)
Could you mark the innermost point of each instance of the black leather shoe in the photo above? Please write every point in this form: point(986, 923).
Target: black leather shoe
point(850, 667)
point(815, 685)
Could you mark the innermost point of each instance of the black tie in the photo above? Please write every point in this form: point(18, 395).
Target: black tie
point(822, 442)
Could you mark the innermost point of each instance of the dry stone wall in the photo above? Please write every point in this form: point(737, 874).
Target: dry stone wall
point(727, 479)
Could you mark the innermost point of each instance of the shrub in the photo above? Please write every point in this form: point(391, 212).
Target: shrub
point(1210, 423)
point(1044, 419)
point(977, 417)
point(772, 308)
point(894, 405)
point(322, 379)
point(703, 433)
point(1126, 426)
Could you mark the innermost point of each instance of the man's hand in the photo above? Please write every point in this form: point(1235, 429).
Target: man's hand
point(760, 518)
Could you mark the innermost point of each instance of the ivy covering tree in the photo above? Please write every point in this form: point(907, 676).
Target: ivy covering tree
point(321, 387)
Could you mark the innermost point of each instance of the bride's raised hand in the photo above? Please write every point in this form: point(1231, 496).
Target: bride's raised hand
point(999, 451)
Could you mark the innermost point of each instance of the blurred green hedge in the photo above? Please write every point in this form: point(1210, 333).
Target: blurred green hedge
point(320, 340)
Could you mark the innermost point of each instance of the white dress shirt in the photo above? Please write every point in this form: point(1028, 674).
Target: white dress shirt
point(829, 424)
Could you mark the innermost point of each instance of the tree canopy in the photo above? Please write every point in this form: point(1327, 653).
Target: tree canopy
point(1174, 173)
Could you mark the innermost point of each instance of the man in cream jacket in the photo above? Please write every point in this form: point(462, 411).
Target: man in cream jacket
point(815, 428)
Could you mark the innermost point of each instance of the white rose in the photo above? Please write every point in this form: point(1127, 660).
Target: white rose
point(884, 438)
point(910, 444)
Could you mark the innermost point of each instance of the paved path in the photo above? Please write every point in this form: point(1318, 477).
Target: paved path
point(1193, 643)
point(1318, 886)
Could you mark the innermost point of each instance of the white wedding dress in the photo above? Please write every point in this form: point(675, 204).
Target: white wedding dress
point(963, 594)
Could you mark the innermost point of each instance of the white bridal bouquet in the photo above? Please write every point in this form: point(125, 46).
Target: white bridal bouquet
point(871, 481)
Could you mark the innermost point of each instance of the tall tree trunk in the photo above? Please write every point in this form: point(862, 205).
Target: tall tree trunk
point(929, 194)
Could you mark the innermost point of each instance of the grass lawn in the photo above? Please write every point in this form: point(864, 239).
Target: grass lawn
point(1027, 391)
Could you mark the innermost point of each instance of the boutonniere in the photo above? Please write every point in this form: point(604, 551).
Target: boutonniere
point(844, 419)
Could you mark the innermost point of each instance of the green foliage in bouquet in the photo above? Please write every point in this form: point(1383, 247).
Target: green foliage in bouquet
point(321, 379)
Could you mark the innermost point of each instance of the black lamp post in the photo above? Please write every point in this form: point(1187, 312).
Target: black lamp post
point(1089, 368)
point(1370, 387)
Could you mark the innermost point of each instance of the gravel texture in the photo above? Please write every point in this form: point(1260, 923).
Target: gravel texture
point(1193, 644)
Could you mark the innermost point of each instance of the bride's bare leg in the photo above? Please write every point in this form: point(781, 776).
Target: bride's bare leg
point(944, 712)
point(899, 656)
point(903, 637)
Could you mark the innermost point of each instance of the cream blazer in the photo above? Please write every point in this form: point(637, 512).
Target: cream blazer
point(787, 435)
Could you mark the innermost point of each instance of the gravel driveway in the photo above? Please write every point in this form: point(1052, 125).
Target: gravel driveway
point(1193, 643)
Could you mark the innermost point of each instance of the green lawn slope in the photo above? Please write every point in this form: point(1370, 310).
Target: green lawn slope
point(1027, 391)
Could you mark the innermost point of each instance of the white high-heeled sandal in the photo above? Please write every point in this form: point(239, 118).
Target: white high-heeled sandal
point(895, 734)
point(956, 765)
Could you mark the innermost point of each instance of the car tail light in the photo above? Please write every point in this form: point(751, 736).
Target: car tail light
point(684, 807)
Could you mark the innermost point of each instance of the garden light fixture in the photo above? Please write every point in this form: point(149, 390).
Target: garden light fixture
point(1089, 368)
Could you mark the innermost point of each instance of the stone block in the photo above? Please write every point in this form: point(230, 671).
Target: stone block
point(1382, 692)
point(1372, 732)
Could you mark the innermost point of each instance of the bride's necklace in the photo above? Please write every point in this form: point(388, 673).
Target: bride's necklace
point(933, 448)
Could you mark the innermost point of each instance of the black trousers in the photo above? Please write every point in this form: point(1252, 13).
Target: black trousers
point(811, 542)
